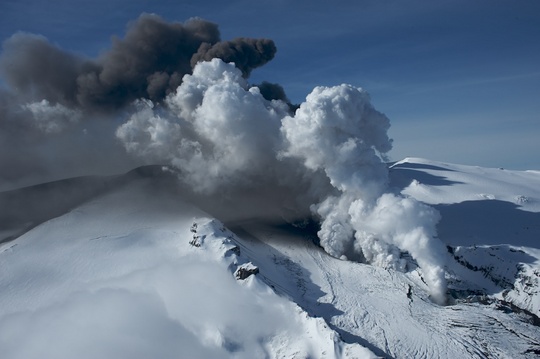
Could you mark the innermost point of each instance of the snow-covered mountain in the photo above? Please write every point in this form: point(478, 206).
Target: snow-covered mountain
point(137, 266)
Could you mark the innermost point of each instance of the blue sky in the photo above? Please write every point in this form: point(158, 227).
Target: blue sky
point(459, 80)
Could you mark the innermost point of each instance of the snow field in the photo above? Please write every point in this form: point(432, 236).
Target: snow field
point(117, 277)
point(138, 272)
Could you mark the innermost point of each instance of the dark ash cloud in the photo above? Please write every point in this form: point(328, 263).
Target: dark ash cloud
point(149, 62)
point(247, 54)
point(34, 68)
point(272, 91)
point(57, 106)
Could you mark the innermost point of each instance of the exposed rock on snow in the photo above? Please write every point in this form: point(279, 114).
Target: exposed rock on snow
point(245, 270)
point(490, 223)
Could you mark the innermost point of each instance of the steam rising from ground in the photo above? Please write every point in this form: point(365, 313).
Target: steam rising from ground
point(338, 131)
point(190, 109)
point(220, 132)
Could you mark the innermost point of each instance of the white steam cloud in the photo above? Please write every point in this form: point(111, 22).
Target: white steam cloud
point(221, 133)
point(216, 130)
point(338, 131)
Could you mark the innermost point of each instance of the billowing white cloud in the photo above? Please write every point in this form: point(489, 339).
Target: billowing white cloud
point(338, 131)
point(220, 133)
point(216, 129)
point(149, 135)
point(397, 222)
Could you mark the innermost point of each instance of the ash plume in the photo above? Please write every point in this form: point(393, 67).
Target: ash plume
point(172, 93)
point(54, 98)
point(246, 54)
point(35, 69)
point(271, 91)
point(149, 62)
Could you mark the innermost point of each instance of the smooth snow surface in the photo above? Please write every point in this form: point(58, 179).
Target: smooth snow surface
point(118, 277)
point(135, 270)
point(490, 219)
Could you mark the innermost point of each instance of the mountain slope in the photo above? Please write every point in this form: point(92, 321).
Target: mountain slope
point(114, 274)
point(490, 223)
point(118, 277)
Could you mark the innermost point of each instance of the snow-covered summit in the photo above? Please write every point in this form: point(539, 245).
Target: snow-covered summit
point(444, 183)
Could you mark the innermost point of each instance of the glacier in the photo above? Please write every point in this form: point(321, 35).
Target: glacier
point(135, 266)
